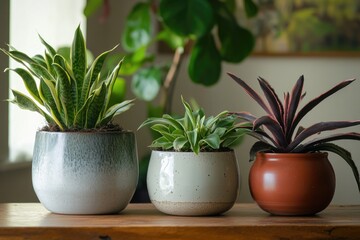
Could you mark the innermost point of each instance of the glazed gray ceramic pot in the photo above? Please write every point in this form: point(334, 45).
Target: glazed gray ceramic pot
point(85, 173)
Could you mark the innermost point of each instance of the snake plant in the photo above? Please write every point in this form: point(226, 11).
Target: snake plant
point(194, 132)
point(69, 94)
point(282, 119)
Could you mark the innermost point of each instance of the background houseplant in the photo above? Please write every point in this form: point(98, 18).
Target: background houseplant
point(155, 25)
point(283, 140)
point(193, 170)
point(80, 157)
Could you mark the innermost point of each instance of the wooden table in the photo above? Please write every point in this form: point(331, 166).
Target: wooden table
point(143, 221)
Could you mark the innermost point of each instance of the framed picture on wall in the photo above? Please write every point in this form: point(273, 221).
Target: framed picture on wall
point(306, 27)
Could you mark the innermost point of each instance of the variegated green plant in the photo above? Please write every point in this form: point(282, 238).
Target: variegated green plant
point(68, 94)
point(195, 132)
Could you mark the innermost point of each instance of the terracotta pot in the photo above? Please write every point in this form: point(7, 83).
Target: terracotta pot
point(292, 184)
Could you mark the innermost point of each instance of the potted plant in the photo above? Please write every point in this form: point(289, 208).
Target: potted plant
point(193, 169)
point(82, 163)
point(292, 174)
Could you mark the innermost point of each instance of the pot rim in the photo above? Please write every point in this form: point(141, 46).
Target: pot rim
point(181, 152)
point(85, 133)
point(295, 155)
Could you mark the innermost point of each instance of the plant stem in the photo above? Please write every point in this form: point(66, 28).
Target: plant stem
point(170, 80)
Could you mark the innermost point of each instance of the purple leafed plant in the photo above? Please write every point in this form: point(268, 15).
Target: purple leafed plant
point(277, 131)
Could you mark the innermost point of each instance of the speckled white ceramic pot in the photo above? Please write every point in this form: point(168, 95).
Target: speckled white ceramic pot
point(182, 183)
point(85, 173)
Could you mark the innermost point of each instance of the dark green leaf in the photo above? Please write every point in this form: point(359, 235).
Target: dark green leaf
point(205, 62)
point(251, 9)
point(118, 92)
point(187, 17)
point(236, 42)
point(212, 140)
point(96, 105)
point(49, 48)
point(138, 27)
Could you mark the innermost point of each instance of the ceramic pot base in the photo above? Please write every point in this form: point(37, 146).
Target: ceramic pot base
point(193, 209)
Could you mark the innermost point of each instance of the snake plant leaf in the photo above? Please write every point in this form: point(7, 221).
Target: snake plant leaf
point(115, 110)
point(91, 75)
point(29, 83)
point(205, 62)
point(197, 16)
point(251, 9)
point(27, 103)
point(117, 92)
point(96, 105)
point(78, 60)
point(67, 94)
point(146, 83)
point(138, 27)
point(236, 42)
point(39, 59)
point(49, 48)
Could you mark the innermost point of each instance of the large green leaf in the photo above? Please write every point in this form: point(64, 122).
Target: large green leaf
point(236, 42)
point(187, 17)
point(138, 27)
point(146, 83)
point(205, 62)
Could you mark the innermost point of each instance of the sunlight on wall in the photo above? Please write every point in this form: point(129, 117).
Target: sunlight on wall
point(56, 22)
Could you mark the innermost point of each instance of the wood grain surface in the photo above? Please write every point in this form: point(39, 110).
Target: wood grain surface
point(143, 221)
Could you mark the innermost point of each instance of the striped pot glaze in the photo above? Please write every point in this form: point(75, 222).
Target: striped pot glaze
point(182, 183)
point(85, 173)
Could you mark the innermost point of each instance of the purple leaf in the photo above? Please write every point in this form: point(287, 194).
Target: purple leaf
point(251, 93)
point(313, 103)
point(273, 100)
point(334, 137)
point(294, 101)
point(260, 147)
point(244, 115)
point(320, 127)
point(273, 127)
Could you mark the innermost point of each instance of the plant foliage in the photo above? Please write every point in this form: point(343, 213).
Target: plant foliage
point(182, 24)
point(282, 118)
point(195, 132)
point(68, 93)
